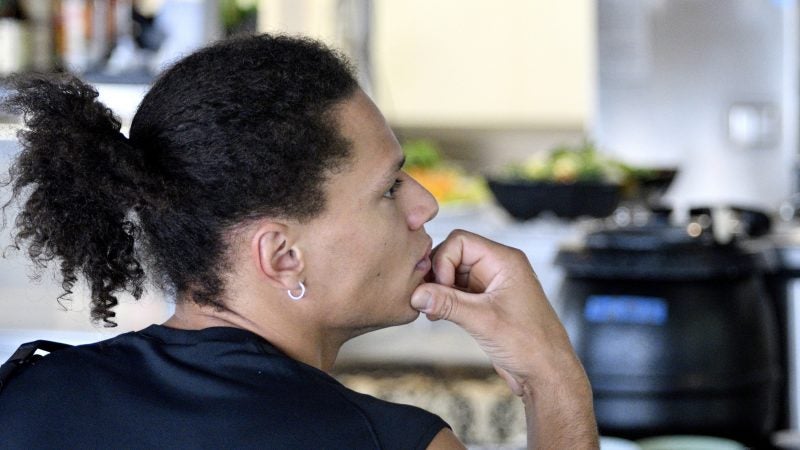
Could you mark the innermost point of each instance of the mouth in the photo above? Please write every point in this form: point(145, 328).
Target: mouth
point(424, 264)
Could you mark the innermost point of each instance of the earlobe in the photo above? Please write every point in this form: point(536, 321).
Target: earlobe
point(278, 261)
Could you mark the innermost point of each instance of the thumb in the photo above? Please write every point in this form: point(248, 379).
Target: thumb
point(443, 302)
point(512, 382)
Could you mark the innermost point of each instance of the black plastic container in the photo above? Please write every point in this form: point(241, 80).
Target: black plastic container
point(527, 199)
point(676, 333)
point(782, 286)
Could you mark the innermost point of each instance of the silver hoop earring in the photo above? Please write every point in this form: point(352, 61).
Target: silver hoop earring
point(299, 296)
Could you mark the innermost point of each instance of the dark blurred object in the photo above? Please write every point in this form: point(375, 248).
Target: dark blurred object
point(10, 9)
point(649, 185)
point(676, 332)
point(135, 42)
point(747, 222)
point(146, 35)
point(783, 285)
point(527, 199)
point(754, 223)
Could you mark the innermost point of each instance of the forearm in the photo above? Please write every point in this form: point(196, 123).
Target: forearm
point(491, 291)
point(560, 415)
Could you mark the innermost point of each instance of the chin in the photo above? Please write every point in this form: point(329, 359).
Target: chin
point(388, 324)
point(411, 317)
point(404, 318)
point(407, 317)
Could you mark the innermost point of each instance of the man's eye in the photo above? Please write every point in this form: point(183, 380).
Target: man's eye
point(393, 190)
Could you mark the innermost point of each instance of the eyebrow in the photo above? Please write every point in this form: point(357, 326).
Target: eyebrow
point(400, 163)
point(396, 168)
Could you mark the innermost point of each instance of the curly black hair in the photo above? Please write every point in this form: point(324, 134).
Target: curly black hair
point(242, 129)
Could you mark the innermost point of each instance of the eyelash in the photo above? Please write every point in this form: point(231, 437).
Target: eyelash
point(393, 190)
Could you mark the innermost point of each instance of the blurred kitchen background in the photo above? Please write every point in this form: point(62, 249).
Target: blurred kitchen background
point(643, 153)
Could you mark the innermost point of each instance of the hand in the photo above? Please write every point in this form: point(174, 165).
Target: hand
point(492, 292)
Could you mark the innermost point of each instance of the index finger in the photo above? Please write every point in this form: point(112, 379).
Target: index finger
point(468, 261)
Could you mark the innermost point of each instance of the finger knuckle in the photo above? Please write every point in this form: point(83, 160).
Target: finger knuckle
point(517, 253)
point(457, 233)
point(447, 306)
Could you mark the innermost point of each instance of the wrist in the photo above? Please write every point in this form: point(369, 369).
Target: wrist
point(566, 390)
point(553, 369)
point(560, 414)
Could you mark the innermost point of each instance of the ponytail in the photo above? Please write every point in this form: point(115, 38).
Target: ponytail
point(239, 130)
point(77, 179)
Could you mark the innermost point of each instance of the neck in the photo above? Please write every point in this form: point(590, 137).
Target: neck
point(300, 341)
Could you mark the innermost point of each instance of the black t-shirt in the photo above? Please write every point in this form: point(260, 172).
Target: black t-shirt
point(213, 388)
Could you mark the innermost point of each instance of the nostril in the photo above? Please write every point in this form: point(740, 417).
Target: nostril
point(425, 209)
point(421, 214)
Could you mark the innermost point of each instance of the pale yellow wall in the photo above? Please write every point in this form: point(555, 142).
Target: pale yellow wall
point(468, 63)
point(314, 18)
point(481, 63)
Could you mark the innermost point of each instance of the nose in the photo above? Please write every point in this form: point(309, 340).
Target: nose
point(423, 206)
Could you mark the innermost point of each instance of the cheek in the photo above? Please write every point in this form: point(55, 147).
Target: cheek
point(375, 268)
point(349, 252)
point(364, 248)
point(382, 259)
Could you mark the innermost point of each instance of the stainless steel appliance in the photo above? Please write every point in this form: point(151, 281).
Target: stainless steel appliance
point(710, 87)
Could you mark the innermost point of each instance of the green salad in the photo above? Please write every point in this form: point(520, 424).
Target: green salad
point(572, 164)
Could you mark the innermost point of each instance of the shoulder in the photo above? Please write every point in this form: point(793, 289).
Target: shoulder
point(56, 368)
point(446, 440)
point(81, 368)
point(396, 425)
point(37, 394)
point(141, 372)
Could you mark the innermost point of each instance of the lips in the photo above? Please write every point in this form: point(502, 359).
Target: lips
point(424, 264)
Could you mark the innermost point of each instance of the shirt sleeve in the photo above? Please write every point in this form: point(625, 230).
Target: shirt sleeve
point(399, 426)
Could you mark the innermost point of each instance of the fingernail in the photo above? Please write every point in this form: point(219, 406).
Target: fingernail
point(422, 301)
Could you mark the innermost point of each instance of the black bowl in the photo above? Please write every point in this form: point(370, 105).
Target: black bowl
point(527, 199)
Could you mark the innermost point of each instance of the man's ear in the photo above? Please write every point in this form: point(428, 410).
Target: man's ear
point(277, 259)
